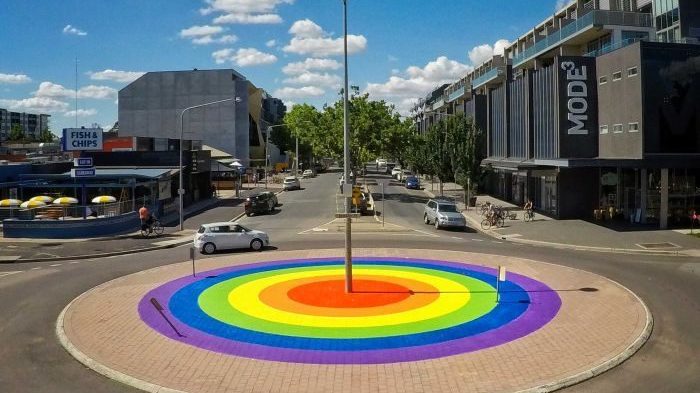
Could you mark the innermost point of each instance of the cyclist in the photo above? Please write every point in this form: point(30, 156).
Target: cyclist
point(146, 219)
point(528, 207)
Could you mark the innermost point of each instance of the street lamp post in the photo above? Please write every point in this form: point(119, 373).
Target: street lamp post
point(346, 160)
point(181, 190)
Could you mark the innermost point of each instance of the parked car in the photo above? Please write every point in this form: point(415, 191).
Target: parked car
point(263, 202)
point(291, 183)
point(307, 173)
point(396, 171)
point(443, 214)
point(404, 175)
point(226, 236)
point(413, 182)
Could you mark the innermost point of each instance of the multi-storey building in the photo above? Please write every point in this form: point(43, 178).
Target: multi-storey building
point(150, 108)
point(32, 124)
point(594, 112)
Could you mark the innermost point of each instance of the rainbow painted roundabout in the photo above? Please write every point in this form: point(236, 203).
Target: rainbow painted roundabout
point(400, 310)
point(269, 320)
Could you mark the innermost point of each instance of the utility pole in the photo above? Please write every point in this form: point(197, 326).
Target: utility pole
point(346, 161)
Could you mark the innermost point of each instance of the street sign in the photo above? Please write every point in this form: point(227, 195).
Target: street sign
point(82, 139)
point(82, 162)
point(82, 172)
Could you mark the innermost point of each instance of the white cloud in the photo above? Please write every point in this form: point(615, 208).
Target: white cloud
point(405, 88)
point(199, 31)
point(243, 57)
point(56, 91)
point(310, 39)
point(561, 4)
point(81, 113)
point(306, 29)
point(314, 79)
point(35, 104)
point(14, 79)
point(271, 43)
point(207, 39)
point(248, 19)
point(245, 11)
point(116, 76)
point(222, 55)
point(482, 53)
point(205, 35)
point(299, 92)
point(311, 64)
point(289, 104)
point(69, 29)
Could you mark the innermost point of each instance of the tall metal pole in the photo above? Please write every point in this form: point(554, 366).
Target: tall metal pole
point(267, 154)
point(346, 161)
point(180, 188)
point(296, 153)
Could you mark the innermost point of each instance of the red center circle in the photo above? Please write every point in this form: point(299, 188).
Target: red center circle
point(366, 293)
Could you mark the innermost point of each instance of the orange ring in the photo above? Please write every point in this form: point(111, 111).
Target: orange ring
point(276, 296)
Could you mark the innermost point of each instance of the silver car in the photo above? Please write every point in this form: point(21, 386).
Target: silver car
point(443, 214)
point(291, 183)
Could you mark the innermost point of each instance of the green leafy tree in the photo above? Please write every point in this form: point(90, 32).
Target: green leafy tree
point(466, 143)
point(16, 133)
point(282, 138)
point(439, 151)
point(46, 135)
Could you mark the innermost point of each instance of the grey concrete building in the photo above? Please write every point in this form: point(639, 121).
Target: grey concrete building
point(32, 124)
point(149, 109)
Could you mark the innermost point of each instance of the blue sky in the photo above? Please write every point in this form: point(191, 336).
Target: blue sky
point(402, 48)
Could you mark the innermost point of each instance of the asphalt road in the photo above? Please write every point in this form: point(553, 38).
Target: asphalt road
point(31, 360)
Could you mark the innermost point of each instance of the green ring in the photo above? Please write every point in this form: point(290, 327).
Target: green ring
point(210, 303)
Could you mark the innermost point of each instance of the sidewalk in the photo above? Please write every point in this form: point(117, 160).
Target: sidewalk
point(575, 234)
point(224, 206)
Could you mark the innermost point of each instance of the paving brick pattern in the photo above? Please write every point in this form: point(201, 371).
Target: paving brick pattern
point(591, 327)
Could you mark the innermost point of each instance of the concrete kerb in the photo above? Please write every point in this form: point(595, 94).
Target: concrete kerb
point(610, 363)
point(99, 367)
point(494, 234)
point(599, 369)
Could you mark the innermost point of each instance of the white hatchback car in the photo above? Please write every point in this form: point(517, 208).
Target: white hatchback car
point(291, 183)
point(228, 236)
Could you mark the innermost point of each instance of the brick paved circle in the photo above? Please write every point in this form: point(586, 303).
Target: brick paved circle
point(570, 325)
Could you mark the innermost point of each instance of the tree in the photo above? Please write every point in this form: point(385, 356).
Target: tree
point(46, 135)
point(16, 133)
point(439, 152)
point(467, 145)
point(282, 138)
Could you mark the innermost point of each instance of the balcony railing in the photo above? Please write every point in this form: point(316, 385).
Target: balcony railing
point(438, 104)
point(621, 44)
point(487, 77)
point(592, 18)
point(456, 94)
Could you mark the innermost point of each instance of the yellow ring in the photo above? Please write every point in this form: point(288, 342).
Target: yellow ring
point(245, 299)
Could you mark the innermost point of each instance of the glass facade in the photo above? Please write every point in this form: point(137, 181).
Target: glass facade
point(666, 19)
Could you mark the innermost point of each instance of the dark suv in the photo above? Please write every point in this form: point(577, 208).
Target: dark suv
point(264, 202)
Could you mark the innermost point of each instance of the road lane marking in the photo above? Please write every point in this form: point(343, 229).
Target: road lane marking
point(74, 262)
point(56, 264)
point(455, 237)
point(477, 240)
point(496, 241)
point(5, 274)
point(35, 268)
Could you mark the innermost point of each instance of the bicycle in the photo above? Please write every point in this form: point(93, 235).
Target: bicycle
point(495, 220)
point(529, 215)
point(155, 227)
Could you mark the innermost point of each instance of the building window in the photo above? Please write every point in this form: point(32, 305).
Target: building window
point(633, 127)
point(617, 76)
point(603, 80)
point(617, 128)
point(604, 129)
point(632, 72)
